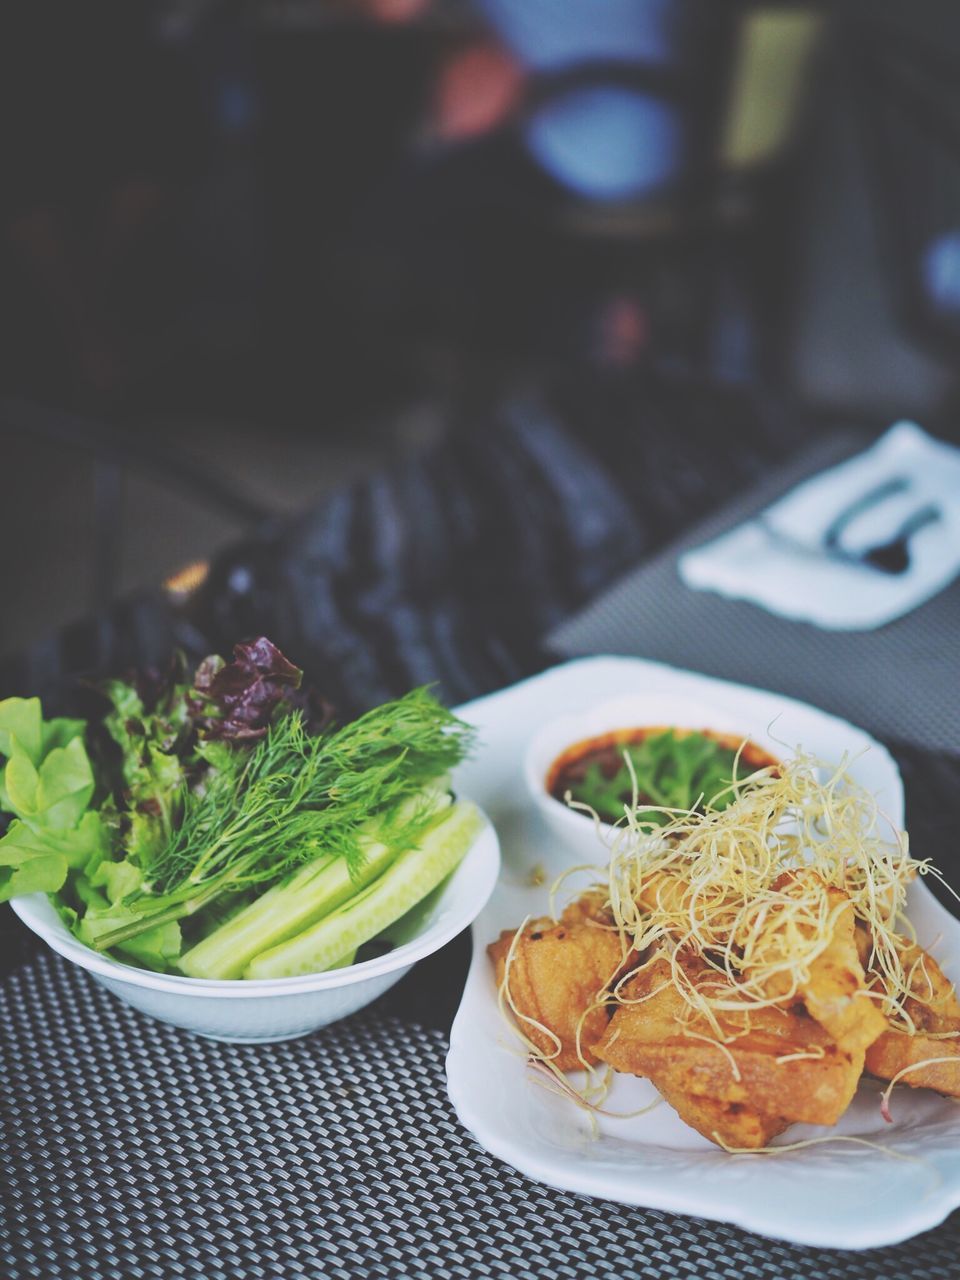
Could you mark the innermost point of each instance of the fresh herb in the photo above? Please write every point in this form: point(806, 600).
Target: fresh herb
point(228, 803)
point(673, 771)
point(47, 785)
point(177, 740)
point(310, 893)
point(242, 696)
point(295, 798)
point(414, 874)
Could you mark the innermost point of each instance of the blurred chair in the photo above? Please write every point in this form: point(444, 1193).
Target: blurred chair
point(115, 450)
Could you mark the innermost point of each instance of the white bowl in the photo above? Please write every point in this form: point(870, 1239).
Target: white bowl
point(256, 1011)
point(578, 831)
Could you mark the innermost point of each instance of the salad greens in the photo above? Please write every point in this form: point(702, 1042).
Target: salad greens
point(673, 771)
point(205, 822)
point(409, 879)
point(47, 785)
point(300, 900)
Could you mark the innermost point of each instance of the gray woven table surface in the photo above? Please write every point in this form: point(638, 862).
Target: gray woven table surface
point(129, 1149)
point(132, 1149)
point(901, 681)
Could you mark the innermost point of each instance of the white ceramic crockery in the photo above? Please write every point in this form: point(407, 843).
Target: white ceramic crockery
point(626, 711)
point(892, 1181)
point(255, 1011)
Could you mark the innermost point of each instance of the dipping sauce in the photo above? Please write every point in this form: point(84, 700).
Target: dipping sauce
point(674, 769)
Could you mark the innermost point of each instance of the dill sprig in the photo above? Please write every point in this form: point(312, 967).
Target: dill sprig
point(294, 797)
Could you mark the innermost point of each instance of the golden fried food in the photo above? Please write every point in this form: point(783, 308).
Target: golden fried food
point(768, 1068)
point(935, 1012)
point(896, 1051)
point(735, 1124)
point(664, 891)
point(762, 968)
point(835, 992)
point(556, 972)
point(932, 1004)
point(591, 906)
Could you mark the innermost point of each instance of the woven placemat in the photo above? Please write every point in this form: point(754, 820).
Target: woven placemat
point(900, 681)
point(131, 1149)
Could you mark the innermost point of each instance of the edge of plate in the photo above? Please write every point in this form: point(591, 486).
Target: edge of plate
point(650, 1196)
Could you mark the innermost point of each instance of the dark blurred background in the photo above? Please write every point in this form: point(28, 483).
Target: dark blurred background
point(250, 251)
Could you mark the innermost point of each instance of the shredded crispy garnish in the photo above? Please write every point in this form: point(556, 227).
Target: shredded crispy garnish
point(902, 1074)
point(598, 1081)
point(784, 1148)
point(746, 888)
point(750, 892)
point(564, 1089)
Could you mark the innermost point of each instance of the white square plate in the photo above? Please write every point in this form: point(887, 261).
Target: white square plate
point(839, 1195)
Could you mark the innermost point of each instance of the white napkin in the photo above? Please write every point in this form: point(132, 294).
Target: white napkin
point(778, 559)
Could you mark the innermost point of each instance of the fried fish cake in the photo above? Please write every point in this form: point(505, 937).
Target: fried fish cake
point(592, 906)
point(739, 1125)
point(775, 1066)
point(935, 1011)
point(556, 973)
point(835, 991)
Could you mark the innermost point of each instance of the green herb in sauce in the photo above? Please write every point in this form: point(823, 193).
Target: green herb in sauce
point(673, 771)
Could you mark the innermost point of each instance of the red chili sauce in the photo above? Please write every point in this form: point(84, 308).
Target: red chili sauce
point(606, 750)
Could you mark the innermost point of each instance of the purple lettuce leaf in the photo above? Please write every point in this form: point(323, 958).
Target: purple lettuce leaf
point(238, 699)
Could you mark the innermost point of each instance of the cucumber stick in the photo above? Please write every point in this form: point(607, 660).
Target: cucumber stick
point(307, 896)
point(409, 879)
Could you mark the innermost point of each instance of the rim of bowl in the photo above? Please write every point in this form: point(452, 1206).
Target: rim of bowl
point(557, 735)
point(483, 855)
point(536, 785)
point(853, 740)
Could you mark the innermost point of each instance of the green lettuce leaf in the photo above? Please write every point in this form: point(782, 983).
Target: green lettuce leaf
point(66, 785)
point(61, 731)
point(21, 784)
point(58, 793)
point(28, 864)
point(21, 729)
point(48, 785)
point(157, 948)
point(153, 774)
point(36, 860)
point(118, 878)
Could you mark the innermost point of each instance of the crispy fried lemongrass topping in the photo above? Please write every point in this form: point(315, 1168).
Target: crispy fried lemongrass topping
point(564, 1089)
point(784, 1148)
point(750, 892)
point(747, 890)
point(597, 1083)
point(902, 1075)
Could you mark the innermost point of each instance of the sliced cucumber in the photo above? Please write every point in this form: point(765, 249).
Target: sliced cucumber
point(306, 897)
point(411, 877)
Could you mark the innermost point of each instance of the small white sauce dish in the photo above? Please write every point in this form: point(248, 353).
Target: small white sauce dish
point(578, 831)
point(283, 1008)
